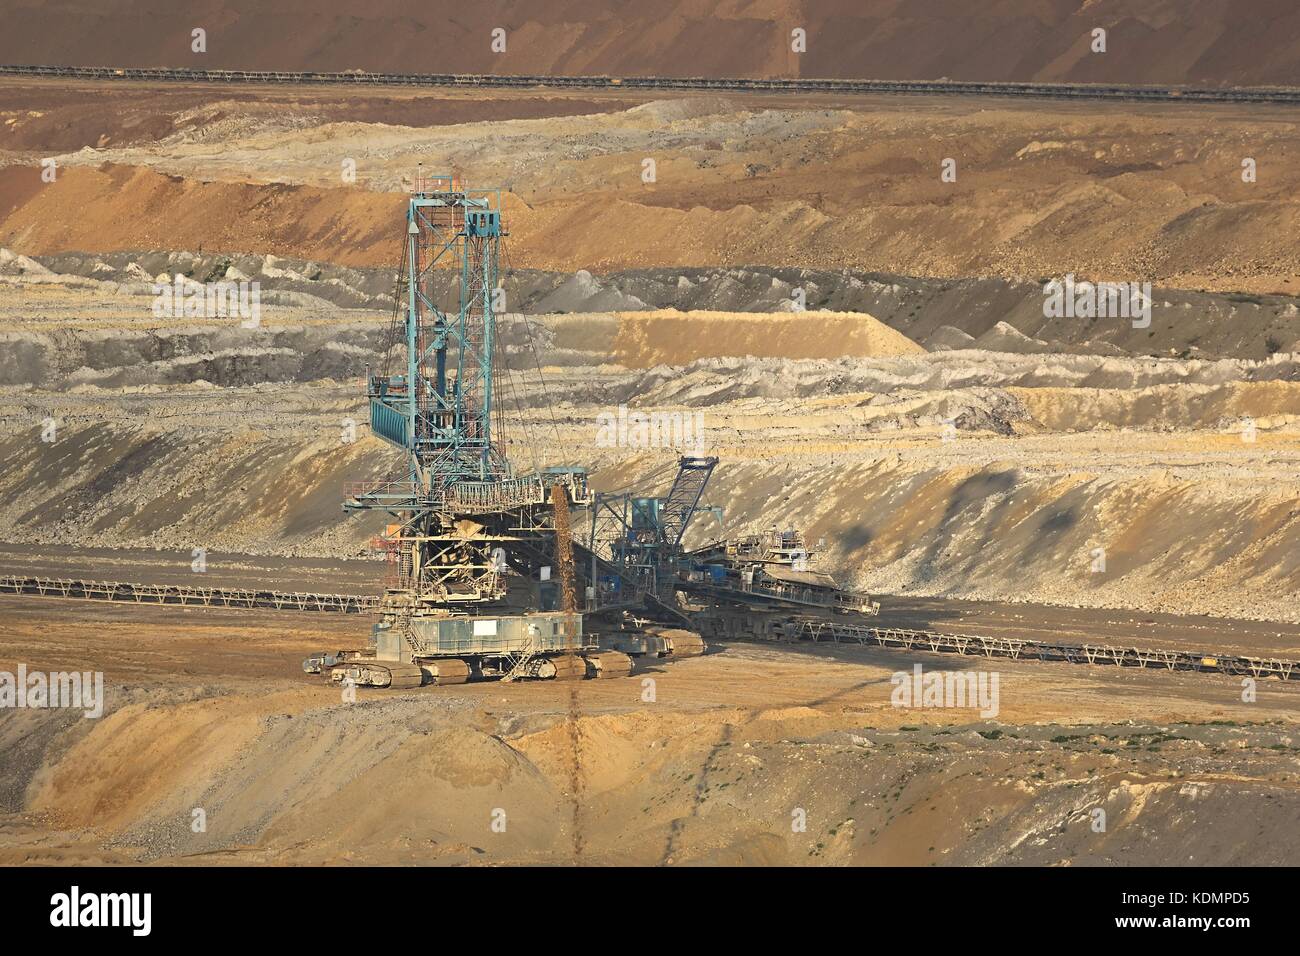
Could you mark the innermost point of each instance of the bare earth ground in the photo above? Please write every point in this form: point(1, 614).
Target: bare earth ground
point(968, 474)
point(1110, 192)
point(711, 772)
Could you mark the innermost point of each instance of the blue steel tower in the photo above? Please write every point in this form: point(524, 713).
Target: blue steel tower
point(438, 408)
point(464, 517)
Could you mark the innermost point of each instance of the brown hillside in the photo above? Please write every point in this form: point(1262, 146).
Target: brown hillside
point(1160, 41)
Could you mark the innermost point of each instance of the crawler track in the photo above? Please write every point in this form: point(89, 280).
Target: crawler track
point(1059, 91)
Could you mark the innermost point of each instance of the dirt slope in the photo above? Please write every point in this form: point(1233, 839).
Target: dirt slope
point(1193, 516)
point(669, 337)
point(1100, 192)
point(287, 772)
point(96, 209)
point(1167, 41)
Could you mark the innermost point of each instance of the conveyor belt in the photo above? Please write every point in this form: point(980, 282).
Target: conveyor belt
point(124, 593)
point(1064, 91)
point(1021, 649)
point(807, 629)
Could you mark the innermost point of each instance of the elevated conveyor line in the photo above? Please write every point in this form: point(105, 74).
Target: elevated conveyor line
point(1059, 91)
point(168, 594)
point(814, 630)
point(1017, 649)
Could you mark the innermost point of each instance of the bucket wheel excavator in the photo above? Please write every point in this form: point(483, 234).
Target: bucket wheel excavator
point(482, 583)
point(488, 578)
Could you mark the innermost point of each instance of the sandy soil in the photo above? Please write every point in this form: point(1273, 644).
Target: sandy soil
point(712, 771)
point(1106, 192)
point(647, 339)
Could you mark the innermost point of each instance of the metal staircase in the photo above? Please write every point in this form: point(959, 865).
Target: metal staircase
point(402, 622)
point(519, 661)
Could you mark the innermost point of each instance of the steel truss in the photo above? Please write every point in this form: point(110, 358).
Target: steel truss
point(1021, 649)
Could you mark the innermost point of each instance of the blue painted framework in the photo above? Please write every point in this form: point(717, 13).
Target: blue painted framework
point(440, 409)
